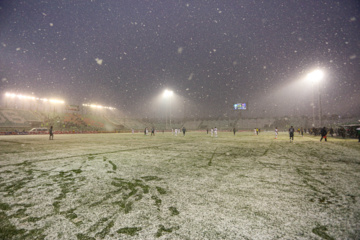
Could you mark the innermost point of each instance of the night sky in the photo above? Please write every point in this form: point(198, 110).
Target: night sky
point(212, 54)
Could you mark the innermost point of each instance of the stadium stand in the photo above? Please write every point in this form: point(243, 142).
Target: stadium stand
point(133, 124)
point(18, 118)
point(192, 124)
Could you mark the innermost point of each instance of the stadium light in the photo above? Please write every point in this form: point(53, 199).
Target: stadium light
point(24, 97)
point(98, 106)
point(315, 77)
point(167, 95)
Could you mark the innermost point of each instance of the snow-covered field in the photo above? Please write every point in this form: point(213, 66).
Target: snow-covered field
point(131, 186)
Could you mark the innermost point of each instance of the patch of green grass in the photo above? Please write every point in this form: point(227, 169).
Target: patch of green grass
point(17, 185)
point(91, 157)
point(321, 232)
point(77, 171)
point(162, 229)
point(29, 171)
point(174, 211)
point(102, 234)
point(97, 224)
point(83, 178)
point(324, 200)
point(114, 167)
point(66, 182)
point(35, 234)
point(20, 213)
point(24, 164)
point(151, 178)
point(157, 201)
point(70, 214)
point(4, 206)
point(44, 174)
point(81, 236)
point(131, 231)
point(212, 156)
point(133, 186)
point(64, 190)
point(310, 186)
point(9, 231)
point(128, 207)
point(56, 205)
point(161, 190)
point(125, 205)
point(33, 219)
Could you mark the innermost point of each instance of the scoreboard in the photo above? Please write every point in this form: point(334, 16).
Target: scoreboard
point(240, 106)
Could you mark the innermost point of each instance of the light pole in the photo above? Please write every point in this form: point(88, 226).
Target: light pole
point(167, 95)
point(314, 77)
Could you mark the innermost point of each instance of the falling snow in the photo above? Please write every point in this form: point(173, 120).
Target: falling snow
point(210, 53)
point(98, 61)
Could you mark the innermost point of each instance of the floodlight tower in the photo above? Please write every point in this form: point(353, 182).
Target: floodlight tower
point(167, 96)
point(315, 77)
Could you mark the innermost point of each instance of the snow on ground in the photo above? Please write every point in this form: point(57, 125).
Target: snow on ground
point(131, 186)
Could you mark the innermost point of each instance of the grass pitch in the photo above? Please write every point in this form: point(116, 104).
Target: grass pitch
point(131, 186)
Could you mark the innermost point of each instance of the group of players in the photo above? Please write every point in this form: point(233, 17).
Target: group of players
point(213, 132)
point(323, 133)
point(173, 131)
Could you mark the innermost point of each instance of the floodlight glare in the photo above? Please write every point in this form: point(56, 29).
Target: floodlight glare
point(98, 106)
point(22, 97)
point(168, 93)
point(56, 101)
point(315, 76)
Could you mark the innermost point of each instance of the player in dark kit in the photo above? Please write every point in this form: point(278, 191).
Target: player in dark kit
point(323, 134)
point(51, 134)
point(291, 132)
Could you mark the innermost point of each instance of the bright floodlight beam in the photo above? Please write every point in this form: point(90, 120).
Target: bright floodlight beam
point(315, 77)
point(98, 106)
point(168, 93)
point(23, 97)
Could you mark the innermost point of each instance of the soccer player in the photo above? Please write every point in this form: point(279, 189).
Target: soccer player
point(184, 130)
point(276, 132)
point(323, 133)
point(291, 132)
point(176, 130)
point(212, 132)
point(51, 134)
point(215, 131)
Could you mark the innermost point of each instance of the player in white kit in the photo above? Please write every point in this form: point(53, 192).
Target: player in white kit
point(276, 133)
